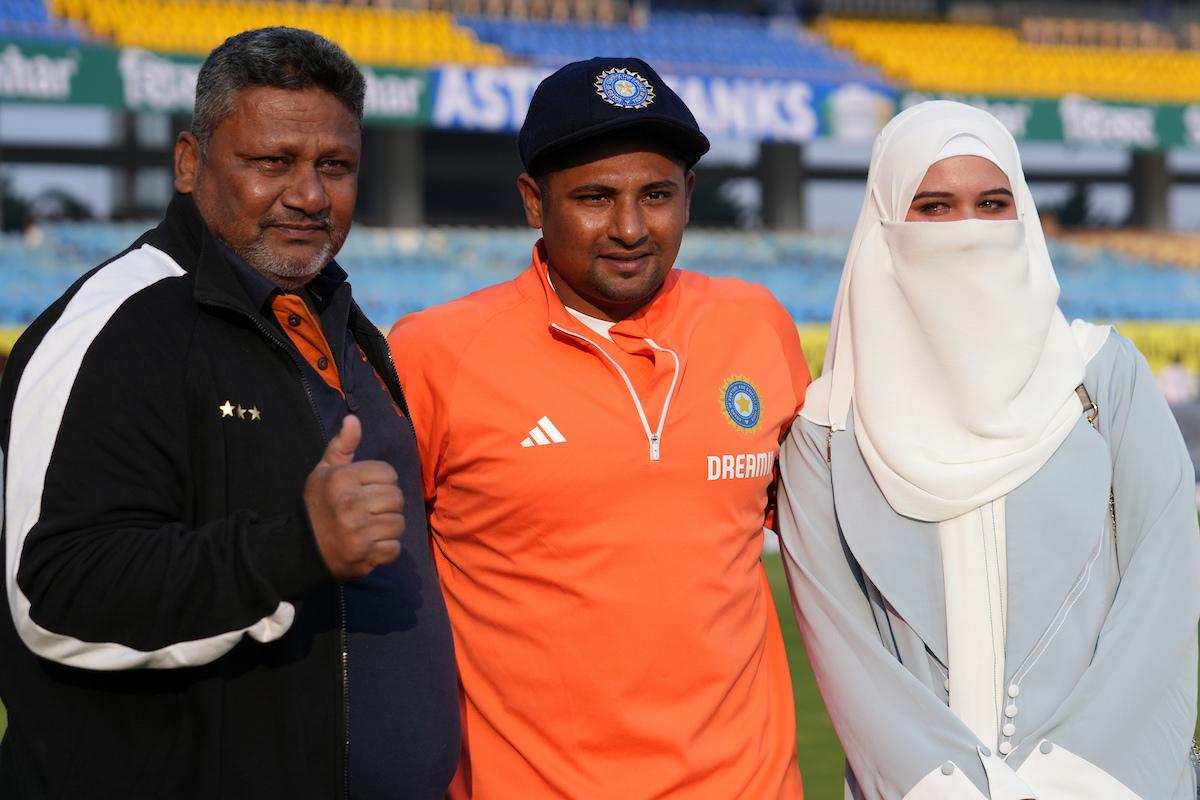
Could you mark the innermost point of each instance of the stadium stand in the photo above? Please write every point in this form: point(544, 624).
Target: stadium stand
point(423, 33)
point(700, 42)
point(372, 35)
point(1158, 247)
point(1076, 32)
point(29, 19)
point(994, 60)
point(892, 9)
point(397, 271)
point(601, 11)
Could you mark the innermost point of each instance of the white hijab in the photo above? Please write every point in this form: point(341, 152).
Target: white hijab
point(947, 343)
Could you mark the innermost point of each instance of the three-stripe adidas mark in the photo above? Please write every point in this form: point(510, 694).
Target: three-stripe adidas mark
point(543, 433)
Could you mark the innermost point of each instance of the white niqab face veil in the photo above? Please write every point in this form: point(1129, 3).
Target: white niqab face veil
point(947, 344)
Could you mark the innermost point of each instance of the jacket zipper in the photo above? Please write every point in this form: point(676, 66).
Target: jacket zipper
point(342, 638)
point(387, 351)
point(653, 437)
point(345, 658)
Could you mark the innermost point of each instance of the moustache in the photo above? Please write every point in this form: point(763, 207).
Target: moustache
point(272, 220)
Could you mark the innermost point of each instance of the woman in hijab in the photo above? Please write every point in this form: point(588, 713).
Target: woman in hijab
point(988, 514)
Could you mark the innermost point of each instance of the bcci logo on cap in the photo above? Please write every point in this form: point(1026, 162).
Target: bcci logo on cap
point(624, 89)
point(739, 399)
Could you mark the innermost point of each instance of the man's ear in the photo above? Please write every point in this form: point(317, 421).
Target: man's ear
point(531, 198)
point(187, 162)
point(689, 184)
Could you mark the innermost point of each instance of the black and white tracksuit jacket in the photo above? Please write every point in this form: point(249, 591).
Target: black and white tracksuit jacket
point(174, 632)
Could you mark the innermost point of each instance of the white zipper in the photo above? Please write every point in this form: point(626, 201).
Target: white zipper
point(655, 437)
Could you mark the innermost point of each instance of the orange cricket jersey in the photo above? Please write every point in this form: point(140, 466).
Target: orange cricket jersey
point(596, 511)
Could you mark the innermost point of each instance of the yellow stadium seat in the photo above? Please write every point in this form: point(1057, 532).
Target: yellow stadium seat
point(374, 35)
point(949, 57)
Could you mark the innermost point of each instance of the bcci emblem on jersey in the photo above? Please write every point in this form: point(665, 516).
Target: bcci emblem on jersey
point(739, 399)
point(624, 88)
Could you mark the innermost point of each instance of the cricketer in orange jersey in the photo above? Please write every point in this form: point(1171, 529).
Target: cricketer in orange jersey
point(598, 439)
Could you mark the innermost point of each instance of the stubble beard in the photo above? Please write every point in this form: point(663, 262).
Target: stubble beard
point(271, 264)
point(290, 272)
point(635, 291)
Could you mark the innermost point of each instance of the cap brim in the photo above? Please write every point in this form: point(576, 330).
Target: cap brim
point(688, 142)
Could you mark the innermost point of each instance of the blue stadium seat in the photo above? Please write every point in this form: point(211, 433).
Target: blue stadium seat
point(716, 42)
point(30, 19)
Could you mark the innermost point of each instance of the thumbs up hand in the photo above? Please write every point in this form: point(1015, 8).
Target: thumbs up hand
point(355, 508)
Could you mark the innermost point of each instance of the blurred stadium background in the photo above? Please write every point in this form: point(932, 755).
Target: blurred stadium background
point(1104, 97)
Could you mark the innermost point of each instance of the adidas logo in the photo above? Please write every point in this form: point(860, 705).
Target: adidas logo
point(543, 433)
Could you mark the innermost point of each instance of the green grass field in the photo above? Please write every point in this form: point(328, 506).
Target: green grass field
point(816, 745)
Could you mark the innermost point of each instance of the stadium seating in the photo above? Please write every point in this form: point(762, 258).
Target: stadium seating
point(372, 35)
point(987, 59)
point(699, 42)
point(1158, 247)
point(397, 271)
point(602, 11)
point(1094, 32)
point(547, 32)
point(29, 19)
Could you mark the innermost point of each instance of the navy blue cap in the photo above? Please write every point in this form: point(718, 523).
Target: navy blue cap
point(585, 99)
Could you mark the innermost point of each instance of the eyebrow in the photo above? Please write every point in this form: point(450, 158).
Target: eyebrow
point(937, 195)
point(600, 188)
point(592, 188)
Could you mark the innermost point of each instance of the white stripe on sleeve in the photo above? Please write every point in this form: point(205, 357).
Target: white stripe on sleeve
point(37, 414)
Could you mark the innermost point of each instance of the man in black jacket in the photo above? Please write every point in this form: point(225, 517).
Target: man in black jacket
point(216, 588)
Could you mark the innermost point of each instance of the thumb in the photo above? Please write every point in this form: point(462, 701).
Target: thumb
point(340, 449)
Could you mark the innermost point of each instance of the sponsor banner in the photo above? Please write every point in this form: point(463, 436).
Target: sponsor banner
point(1160, 342)
point(1078, 120)
point(140, 80)
point(151, 82)
point(57, 73)
point(483, 98)
point(784, 110)
point(400, 97)
point(496, 99)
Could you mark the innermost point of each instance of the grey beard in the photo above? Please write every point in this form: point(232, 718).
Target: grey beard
point(259, 256)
